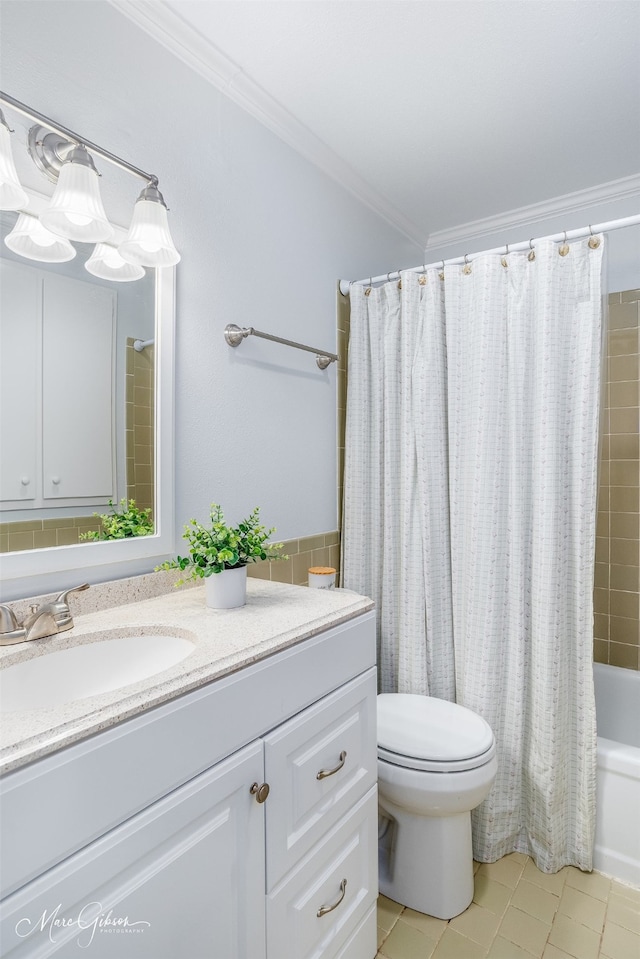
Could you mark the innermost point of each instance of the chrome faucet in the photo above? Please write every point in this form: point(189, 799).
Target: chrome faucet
point(45, 620)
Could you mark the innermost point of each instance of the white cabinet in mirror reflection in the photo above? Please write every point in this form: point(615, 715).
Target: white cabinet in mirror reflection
point(20, 307)
point(57, 390)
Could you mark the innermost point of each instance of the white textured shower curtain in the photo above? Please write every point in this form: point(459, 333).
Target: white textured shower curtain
point(469, 516)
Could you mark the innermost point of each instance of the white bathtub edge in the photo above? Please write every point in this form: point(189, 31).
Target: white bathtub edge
point(616, 850)
point(617, 867)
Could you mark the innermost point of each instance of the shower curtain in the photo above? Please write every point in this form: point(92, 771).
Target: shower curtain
point(469, 516)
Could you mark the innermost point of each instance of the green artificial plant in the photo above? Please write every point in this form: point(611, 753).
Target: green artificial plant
point(217, 546)
point(122, 523)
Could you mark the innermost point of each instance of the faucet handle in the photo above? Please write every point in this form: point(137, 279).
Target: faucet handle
point(62, 598)
point(8, 621)
point(60, 607)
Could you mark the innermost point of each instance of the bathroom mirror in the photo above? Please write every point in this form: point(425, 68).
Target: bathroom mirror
point(124, 399)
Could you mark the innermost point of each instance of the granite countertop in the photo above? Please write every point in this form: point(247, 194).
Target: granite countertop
point(276, 616)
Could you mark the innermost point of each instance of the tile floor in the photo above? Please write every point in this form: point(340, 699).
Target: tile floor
point(520, 913)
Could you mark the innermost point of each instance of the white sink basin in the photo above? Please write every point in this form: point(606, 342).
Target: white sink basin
point(96, 667)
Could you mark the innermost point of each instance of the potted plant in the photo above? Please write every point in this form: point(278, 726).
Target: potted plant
point(219, 554)
point(122, 523)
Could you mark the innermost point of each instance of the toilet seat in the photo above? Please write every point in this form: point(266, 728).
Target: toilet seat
point(433, 765)
point(434, 735)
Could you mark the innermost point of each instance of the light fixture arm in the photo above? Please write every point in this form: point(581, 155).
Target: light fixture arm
point(76, 211)
point(75, 138)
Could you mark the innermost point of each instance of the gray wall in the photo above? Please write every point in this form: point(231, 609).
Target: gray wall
point(263, 235)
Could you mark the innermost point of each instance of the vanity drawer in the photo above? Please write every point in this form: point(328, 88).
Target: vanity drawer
point(318, 764)
point(348, 852)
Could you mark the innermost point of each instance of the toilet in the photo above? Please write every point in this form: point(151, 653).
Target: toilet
point(436, 762)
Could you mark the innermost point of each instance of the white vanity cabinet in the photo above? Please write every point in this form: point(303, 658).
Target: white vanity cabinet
point(181, 878)
point(154, 822)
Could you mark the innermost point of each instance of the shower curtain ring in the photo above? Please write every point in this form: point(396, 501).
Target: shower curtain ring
point(399, 280)
point(532, 253)
point(368, 290)
point(466, 269)
point(441, 273)
point(422, 279)
point(594, 241)
point(564, 249)
point(504, 260)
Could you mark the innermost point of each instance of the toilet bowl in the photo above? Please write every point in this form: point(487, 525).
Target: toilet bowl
point(436, 762)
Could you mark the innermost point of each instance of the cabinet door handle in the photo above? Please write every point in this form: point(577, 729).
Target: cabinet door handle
point(323, 910)
point(260, 791)
point(330, 772)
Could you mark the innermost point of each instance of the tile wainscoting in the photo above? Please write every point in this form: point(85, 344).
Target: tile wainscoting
point(322, 549)
point(617, 575)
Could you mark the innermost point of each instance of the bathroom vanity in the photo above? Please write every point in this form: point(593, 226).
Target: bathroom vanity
point(225, 808)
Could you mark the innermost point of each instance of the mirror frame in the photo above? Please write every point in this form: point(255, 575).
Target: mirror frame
point(35, 571)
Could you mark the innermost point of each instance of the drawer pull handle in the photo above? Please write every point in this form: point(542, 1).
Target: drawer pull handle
point(323, 910)
point(260, 791)
point(330, 772)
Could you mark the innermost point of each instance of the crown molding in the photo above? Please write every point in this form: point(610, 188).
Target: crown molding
point(623, 189)
point(170, 30)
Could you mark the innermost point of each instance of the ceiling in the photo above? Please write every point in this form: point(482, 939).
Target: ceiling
point(435, 113)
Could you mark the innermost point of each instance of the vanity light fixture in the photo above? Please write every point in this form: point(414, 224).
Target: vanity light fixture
point(12, 196)
point(106, 262)
point(76, 211)
point(149, 240)
point(29, 238)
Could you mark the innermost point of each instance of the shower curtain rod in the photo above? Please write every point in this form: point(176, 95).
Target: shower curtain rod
point(505, 248)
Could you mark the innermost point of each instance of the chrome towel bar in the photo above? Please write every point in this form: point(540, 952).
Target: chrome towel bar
point(234, 335)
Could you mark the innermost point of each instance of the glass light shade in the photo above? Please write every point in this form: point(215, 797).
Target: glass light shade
point(12, 196)
point(76, 209)
point(149, 240)
point(31, 239)
point(106, 262)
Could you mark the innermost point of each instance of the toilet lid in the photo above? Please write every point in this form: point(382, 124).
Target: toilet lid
point(425, 728)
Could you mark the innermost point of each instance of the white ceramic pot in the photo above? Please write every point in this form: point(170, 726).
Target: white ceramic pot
point(228, 589)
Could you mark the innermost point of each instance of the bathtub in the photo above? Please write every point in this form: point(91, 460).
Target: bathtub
point(617, 841)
